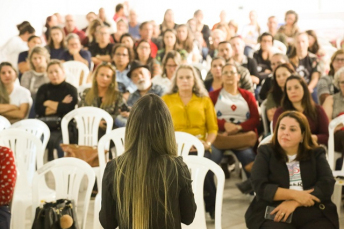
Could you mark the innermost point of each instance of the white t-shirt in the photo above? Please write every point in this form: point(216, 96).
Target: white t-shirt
point(294, 174)
point(232, 108)
point(10, 51)
point(164, 82)
point(19, 96)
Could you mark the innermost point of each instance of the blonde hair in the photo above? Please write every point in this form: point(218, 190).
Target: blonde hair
point(337, 76)
point(111, 93)
point(141, 180)
point(198, 89)
point(92, 29)
point(40, 51)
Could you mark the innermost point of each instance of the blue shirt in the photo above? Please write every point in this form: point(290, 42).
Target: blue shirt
point(57, 53)
point(155, 89)
point(66, 56)
point(134, 31)
point(122, 77)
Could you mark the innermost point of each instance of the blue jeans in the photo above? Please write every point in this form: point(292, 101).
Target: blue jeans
point(245, 156)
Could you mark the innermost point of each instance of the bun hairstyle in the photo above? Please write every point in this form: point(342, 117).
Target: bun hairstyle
point(25, 27)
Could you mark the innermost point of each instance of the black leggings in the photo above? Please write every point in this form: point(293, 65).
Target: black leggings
point(5, 217)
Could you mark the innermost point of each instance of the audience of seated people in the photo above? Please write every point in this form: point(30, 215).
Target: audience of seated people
point(147, 58)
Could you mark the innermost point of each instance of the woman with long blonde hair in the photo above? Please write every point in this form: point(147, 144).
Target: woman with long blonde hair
point(148, 186)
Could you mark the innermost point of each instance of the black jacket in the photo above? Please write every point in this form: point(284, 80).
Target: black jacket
point(269, 173)
point(183, 207)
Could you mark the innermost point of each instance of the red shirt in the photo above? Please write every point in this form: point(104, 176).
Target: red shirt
point(80, 33)
point(8, 175)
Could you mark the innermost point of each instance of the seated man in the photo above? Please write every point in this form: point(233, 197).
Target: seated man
point(225, 51)
point(146, 33)
point(70, 27)
point(75, 52)
point(263, 55)
point(141, 77)
point(101, 51)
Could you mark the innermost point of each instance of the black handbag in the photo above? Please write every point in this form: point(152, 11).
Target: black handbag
point(56, 215)
point(53, 122)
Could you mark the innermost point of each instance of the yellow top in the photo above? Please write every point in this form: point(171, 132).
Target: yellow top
point(197, 117)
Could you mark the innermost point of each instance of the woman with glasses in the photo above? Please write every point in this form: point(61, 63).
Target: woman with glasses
point(143, 54)
point(325, 85)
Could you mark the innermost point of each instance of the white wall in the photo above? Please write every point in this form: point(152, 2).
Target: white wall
point(14, 12)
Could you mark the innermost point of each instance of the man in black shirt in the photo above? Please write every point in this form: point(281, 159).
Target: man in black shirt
point(101, 51)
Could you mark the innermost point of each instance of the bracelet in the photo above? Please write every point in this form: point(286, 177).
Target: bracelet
point(208, 143)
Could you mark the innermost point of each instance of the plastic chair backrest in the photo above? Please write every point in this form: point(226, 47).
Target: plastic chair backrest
point(117, 136)
point(82, 88)
point(68, 175)
point(27, 148)
point(266, 140)
point(199, 166)
point(76, 68)
point(264, 117)
point(331, 153)
point(87, 121)
point(4, 123)
point(185, 141)
point(37, 128)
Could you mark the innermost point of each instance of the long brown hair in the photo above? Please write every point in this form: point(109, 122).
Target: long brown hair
point(333, 57)
point(4, 96)
point(51, 42)
point(276, 90)
point(141, 179)
point(307, 144)
point(306, 101)
point(188, 43)
point(112, 92)
point(315, 47)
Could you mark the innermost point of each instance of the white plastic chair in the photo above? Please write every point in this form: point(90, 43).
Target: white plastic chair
point(185, 141)
point(202, 69)
point(27, 148)
point(199, 167)
point(82, 88)
point(37, 128)
point(74, 70)
point(4, 123)
point(68, 174)
point(266, 140)
point(332, 157)
point(117, 136)
point(87, 121)
point(264, 118)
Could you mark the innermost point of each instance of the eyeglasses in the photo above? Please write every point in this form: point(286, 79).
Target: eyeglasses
point(171, 66)
point(120, 54)
point(339, 59)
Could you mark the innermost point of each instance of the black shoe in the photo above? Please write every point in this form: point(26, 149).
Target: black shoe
point(245, 187)
point(224, 167)
point(212, 214)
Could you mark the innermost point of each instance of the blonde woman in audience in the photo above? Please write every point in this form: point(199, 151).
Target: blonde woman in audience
point(53, 101)
point(103, 94)
point(274, 97)
point(90, 38)
point(233, 27)
point(15, 100)
point(17, 44)
point(292, 176)
point(185, 41)
point(193, 112)
point(90, 17)
point(298, 98)
point(37, 76)
point(56, 44)
point(23, 62)
point(325, 86)
point(334, 107)
point(169, 65)
point(148, 186)
point(168, 22)
point(225, 28)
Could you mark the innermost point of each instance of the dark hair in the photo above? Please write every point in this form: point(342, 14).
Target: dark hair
point(283, 56)
point(333, 57)
point(276, 90)
point(292, 12)
point(137, 46)
point(4, 96)
point(230, 64)
point(25, 27)
point(306, 101)
point(163, 42)
point(32, 37)
point(217, 58)
point(265, 34)
point(224, 42)
point(51, 42)
point(315, 47)
point(143, 24)
point(126, 35)
point(119, 7)
point(188, 43)
point(307, 144)
point(174, 55)
point(119, 45)
point(47, 21)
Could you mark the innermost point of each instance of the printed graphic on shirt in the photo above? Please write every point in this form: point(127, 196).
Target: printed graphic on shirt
point(295, 176)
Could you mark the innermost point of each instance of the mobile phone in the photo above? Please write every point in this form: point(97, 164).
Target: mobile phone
point(268, 216)
point(124, 108)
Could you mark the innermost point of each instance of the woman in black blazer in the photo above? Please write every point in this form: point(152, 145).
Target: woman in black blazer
point(292, 174)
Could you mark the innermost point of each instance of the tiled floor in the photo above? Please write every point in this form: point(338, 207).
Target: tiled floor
point(233, 211)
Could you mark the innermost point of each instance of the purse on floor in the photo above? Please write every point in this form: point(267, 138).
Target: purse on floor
point(56, 215)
